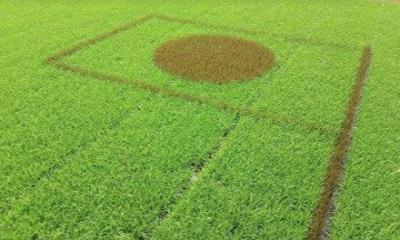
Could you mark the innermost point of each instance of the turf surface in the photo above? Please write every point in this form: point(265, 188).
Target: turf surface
point(83, 158)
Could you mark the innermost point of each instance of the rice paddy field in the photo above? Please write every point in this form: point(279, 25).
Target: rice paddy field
point(115, 122)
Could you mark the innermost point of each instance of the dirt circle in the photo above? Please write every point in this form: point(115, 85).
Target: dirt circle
point(214, 58)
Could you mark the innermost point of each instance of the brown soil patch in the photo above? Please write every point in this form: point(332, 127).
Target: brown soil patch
point(214, 58)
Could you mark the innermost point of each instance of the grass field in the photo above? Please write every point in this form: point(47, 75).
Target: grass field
point(96, 142)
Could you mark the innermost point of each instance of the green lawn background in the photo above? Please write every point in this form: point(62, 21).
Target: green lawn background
point(46, 116)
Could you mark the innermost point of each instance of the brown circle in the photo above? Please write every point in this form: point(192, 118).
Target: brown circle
point(214, 58)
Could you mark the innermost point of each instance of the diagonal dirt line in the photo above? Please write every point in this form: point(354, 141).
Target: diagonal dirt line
point(319, 228)
point(86, 43)
point(155, 89)
point(197, 171)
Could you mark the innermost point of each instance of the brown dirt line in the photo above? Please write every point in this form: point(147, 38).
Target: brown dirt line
point(245, 111)
point(85, 43)
point(319, 228)
point(196, 173)
point(302, 40)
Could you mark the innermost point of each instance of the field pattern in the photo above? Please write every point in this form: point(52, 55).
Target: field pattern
point(98, 142)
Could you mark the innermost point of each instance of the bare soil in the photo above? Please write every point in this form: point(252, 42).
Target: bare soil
point(214, 58)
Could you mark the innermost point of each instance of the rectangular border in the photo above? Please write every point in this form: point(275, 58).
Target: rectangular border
point(54, 60)
point(320, 222)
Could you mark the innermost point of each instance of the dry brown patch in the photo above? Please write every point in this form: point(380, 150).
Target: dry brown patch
point(214, 58)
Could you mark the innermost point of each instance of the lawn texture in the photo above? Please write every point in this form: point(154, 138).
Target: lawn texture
point(82, 158)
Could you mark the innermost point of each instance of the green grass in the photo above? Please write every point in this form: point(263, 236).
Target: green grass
point(82, 158)
point(128, 176)
point(264, 182)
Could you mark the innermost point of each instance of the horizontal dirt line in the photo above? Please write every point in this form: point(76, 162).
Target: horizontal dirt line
point(302, 40)
point(244, 111)
point(319, 228)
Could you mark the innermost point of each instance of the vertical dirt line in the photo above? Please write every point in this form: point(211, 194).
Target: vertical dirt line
point(319, 228)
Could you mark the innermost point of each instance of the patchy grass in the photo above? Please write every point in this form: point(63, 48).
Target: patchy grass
point(88, 159)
